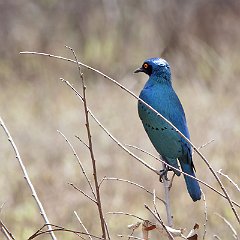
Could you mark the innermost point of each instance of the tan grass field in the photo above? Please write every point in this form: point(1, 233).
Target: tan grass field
point(200, 40)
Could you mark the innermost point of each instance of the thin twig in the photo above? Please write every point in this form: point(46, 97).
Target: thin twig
point(235, 235)
point(217, 237)
point(126, 214)
point(156, 211)
point(154, 204)
point(136, 157)
point(108, 133)
point(56, 228)
point(79, 162)
point(144, 151)
point(206, 215)
point(132, 183)
point(80, 221)
point(6, 232)
point(82, 141)
point(81, 191)
point(90, 144)
point(131, 234)
point(159, 115)
point(1, 207)
point(230, 180)
point(167, 198)
point(107, 230)
point(205, 144)
point(130, 237)
point(28, 181)
point(160, 221)
point(171, 181)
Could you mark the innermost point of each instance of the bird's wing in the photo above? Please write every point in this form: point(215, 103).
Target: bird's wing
point(175, 114)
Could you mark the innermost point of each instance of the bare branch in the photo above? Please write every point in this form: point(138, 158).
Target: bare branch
point(159, 115)
point(171, 181)
point(144, 151)
point(126, 214)
point(130, 237)
point(160, 221)
point(82, 141)
point(28, 181)
point(235, 235)
point(132, 183)
point(107, 230)
point(205, 144)
point(79, 162)
point(136, 157)
point(86, 195)
point(230, 180)
point(6, 232)
point(108, 133)
point(217, 237)
point(167, 198)
point(90, 144)
point(56, 228)
point(206, 215)
point(80, 221)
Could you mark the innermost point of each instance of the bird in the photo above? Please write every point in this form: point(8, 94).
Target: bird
point(158, 92)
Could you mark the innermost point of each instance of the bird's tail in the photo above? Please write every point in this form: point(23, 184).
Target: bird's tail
point(192, 184)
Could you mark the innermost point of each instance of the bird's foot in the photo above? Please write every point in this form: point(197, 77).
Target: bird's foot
point(163, 174)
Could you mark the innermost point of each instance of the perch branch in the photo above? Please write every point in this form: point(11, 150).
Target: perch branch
point(206, 215)
point(167, 198)
point(136, 157)
point(158, 114)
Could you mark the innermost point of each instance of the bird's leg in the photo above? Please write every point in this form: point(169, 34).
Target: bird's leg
point(163, 173)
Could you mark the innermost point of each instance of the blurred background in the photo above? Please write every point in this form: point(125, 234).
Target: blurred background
point(200, 40)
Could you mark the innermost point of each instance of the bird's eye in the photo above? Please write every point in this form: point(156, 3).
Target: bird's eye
point(145, 65)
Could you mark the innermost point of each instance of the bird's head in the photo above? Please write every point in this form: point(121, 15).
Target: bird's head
point(156, 67)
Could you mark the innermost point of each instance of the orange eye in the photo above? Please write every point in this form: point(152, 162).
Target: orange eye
point(145, 65)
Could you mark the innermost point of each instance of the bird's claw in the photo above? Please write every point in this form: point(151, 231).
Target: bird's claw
point(163, 174)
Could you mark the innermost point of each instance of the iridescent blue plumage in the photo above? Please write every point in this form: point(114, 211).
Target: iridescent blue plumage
point(159, 94)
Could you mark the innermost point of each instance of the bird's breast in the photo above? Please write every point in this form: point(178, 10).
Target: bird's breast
point(163, 136)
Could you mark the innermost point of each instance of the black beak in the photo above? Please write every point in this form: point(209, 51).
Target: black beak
point(139, 70)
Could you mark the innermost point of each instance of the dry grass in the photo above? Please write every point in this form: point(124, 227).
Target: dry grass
point(201, 42)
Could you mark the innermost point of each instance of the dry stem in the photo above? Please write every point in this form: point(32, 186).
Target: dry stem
point(136, 157)
point(167, 198)
point(79, 162)
point(94, 166)
point(28, 181)
point(159, 115)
